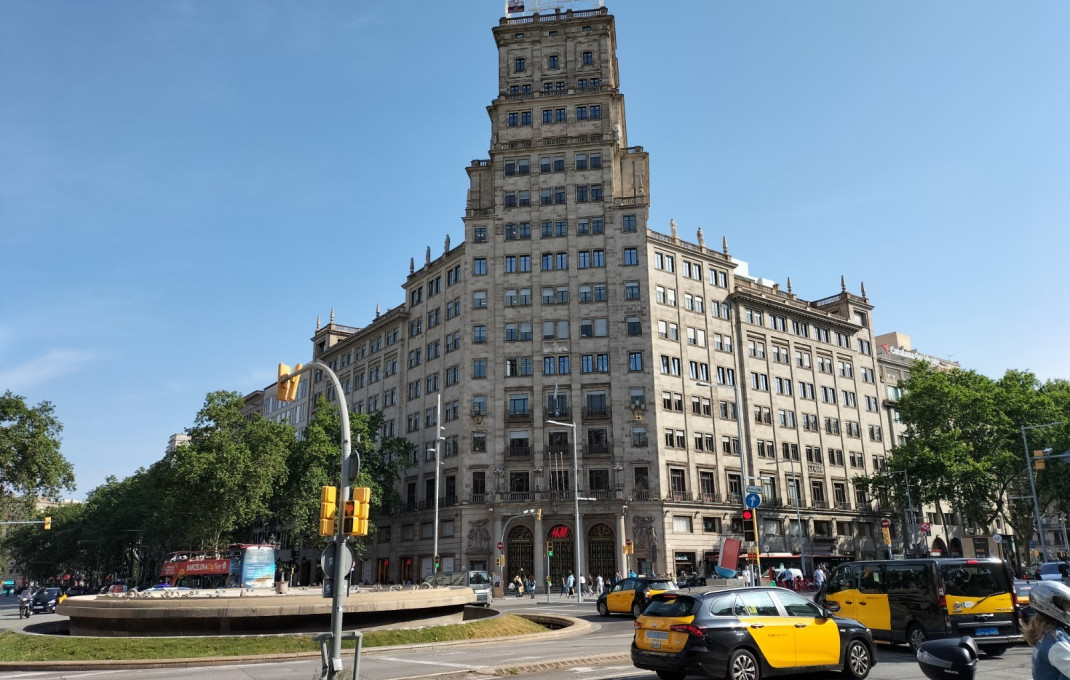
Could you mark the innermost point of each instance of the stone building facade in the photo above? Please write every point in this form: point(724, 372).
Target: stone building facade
point(565, 325)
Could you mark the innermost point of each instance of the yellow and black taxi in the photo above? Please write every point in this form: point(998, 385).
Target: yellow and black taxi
point(747, 634)
point(911, 601)
point(630, 595)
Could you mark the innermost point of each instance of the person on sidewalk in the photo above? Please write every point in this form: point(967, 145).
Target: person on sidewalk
point(530, 586)
point(570, 582)
point(599, 585)
point(583, 585)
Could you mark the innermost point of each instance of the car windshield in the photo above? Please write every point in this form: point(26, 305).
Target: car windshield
point(1049, 568)
point(671, 606)
point(974, 580)
point(478, 578)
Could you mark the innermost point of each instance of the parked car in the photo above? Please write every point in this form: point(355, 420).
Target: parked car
point(745, 634)
point(45, 601)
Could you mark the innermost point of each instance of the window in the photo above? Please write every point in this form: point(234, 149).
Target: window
point(479, 334)
point(479, 368)
point(635, 361)
point(628, 223)
point(587, 59)
point(631, 257)
point(479, 265)
point(518, 65)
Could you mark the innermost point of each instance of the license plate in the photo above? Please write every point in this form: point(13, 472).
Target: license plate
point(986, 631)
point(656, 635)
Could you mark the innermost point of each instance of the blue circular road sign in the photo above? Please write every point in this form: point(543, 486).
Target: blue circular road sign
point(752, 500)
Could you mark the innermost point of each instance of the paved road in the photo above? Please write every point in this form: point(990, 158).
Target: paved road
point(606, 638)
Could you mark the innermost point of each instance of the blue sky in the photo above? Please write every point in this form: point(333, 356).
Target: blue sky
point(186, 186)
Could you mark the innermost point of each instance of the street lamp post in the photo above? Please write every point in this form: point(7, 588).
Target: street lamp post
point(438, 458)
point(911, 525)
point(1033, 486)
point(576, 499)
point(798, 514)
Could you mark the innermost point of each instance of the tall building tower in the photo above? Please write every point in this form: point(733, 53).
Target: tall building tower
point(577, 352)
point(558, 208)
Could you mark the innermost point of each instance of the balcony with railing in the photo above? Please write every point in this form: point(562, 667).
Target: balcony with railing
point(558, 413)
point(516, 496)
point(677, 495)
point(558, 450)
point(478, 498)
point(706, 497)
point(843, 505)
point(596, 450)
point(517, 415)
point(596, 413)
point(602, 494)
point(519, 451)
point(641, 494)
point(820, 505)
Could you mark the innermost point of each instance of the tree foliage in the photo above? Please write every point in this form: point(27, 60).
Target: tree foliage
point(963, 443)
point(31, 464)
point(237, 478)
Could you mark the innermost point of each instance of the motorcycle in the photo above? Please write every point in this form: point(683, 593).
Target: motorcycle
point(25, 607)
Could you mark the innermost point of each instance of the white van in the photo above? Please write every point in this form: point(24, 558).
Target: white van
point(478, 581)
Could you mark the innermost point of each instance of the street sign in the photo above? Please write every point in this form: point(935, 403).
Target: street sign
point(328, 557)
point(924, 527)
point(501, 546)
point(754, 489)
point(885, 522)
point(997, 538)
point(752, 500)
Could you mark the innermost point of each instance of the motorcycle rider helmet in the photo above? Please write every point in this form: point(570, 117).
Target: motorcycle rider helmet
point(952, 659)
point(1053, 599)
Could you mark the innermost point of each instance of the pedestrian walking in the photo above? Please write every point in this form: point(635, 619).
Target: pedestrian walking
point(530, 586)
point(570, 582)
point(583, 585)
point(599, 585)
point(564, 586)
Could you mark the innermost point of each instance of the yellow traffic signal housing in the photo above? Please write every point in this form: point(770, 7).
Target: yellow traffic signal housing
point(48, 523)
point(286, 387)
point(1038, 458)
point(355, 519)
point(328, 507)
point(549, 549)
point(538, 514)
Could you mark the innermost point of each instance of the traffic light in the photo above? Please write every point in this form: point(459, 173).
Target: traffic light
point(499, 561)
point(355, 519)
point(748, 525)
point(549, 549)
point(1038, 458)
point(286, 387)
point(328, 506)
point(48, 523)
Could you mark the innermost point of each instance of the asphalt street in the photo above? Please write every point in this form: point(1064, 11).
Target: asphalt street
point(600, 652)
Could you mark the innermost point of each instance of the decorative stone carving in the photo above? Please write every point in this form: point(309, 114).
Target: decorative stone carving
point(478, 537)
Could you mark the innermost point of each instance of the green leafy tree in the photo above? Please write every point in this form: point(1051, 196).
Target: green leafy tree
point(31, 464)
point(224, 478)
point(963, 443)
point(316, 462)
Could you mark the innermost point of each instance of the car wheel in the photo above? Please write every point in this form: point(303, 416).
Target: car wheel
point(603, 610)
point(637, 609)
point(671, 675)
point(993, 650)
point(857, 660)
point(916, 636)
point(743, 666)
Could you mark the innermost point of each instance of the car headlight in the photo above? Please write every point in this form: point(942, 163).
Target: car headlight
point(51, 602)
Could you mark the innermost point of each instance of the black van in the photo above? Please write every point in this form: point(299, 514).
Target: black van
point(911, 601)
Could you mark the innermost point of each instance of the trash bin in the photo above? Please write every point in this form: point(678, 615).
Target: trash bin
point(282, 587)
